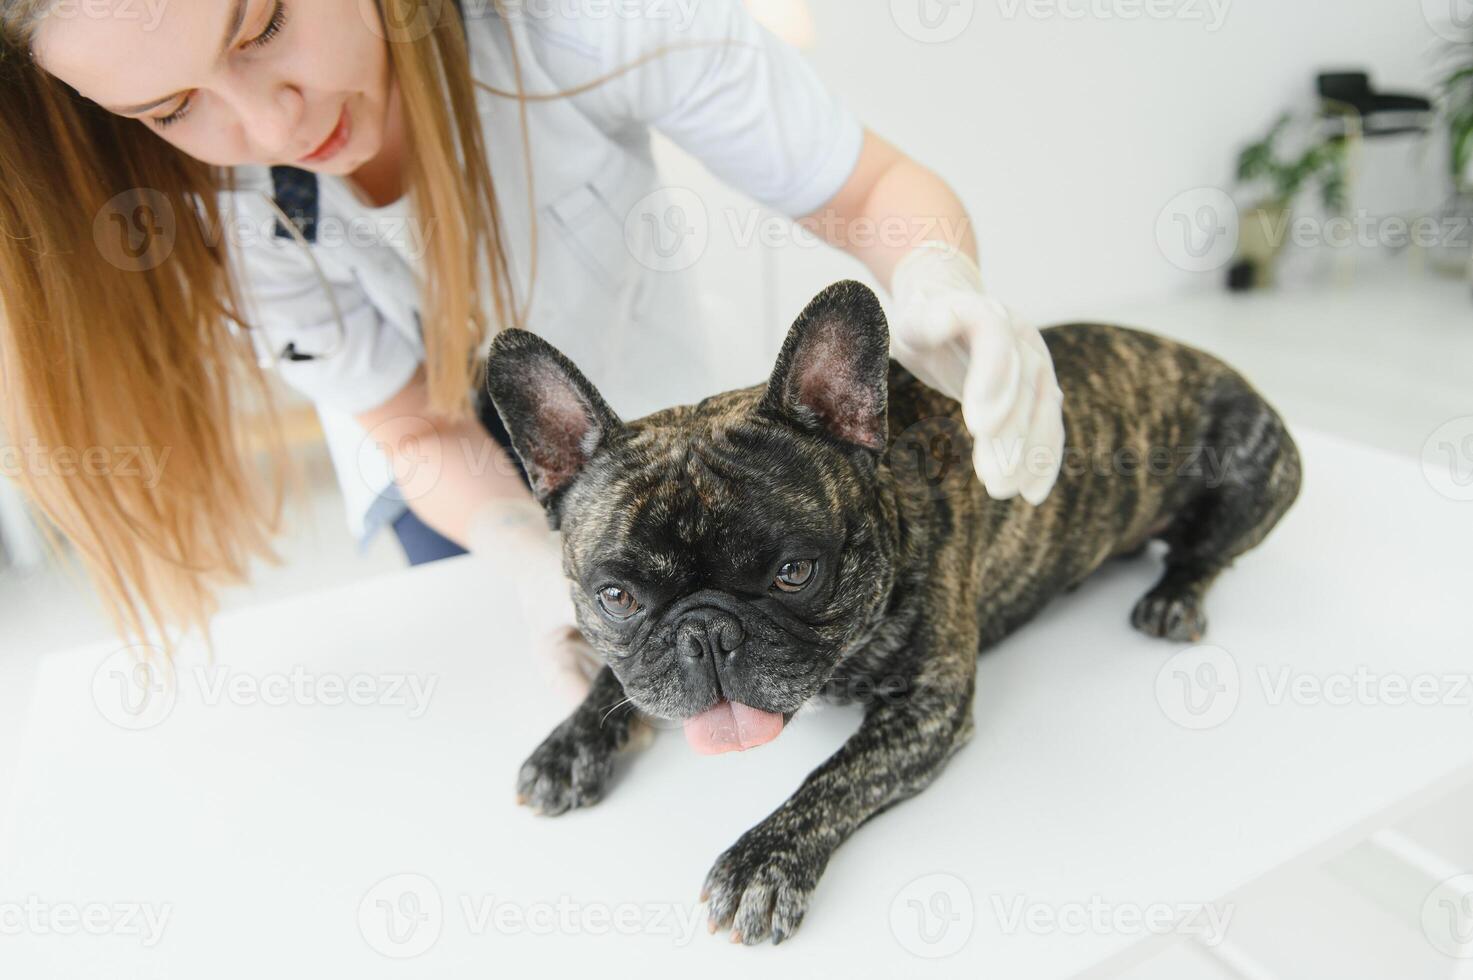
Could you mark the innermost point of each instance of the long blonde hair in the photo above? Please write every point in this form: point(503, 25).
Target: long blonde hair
point(101, 359)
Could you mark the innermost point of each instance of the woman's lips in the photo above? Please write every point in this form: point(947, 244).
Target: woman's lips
point(335, 141)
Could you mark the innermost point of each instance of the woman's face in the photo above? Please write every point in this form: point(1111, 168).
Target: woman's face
point(298, 82)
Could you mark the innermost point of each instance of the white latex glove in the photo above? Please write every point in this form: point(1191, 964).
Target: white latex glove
point(513, 537)
point(955, 338)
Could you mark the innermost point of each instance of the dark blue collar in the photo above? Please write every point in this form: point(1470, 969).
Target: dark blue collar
point(295, 191)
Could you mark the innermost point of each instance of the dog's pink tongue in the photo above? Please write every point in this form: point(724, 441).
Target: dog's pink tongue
point(730, 727)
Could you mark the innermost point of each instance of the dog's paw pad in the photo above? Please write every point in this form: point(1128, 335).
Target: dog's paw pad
point(759, 890)
point(565, 772)
point(1171, 617)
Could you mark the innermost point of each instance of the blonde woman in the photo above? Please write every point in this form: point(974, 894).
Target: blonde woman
point(358, 194)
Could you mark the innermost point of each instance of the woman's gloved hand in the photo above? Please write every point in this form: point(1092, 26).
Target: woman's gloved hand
point(955, 338)
point(513, 537)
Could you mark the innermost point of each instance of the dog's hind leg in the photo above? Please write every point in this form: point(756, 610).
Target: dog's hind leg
point(1249, 475)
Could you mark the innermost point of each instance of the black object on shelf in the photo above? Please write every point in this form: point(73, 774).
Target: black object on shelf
point(1381, 113)
point(1242, 276)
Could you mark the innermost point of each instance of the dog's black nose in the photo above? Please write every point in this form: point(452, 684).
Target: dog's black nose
point(708, 632)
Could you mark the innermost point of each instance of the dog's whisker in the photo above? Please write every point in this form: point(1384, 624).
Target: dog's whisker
point(616, 707)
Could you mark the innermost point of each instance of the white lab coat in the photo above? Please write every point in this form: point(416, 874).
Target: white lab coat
point(609, 292)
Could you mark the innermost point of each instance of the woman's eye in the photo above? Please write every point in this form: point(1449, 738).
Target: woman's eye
point(794, 575)
point(273, 27)
point(174, 116)
point(616, 602)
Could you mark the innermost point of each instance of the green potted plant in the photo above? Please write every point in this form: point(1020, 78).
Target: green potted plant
point(1277, 178)
point(1455, 107)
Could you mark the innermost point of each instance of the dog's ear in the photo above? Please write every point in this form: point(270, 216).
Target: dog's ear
point(832, 374)
point(556, 419)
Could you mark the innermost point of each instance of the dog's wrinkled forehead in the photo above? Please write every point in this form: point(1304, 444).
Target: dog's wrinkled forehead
point(689, 497)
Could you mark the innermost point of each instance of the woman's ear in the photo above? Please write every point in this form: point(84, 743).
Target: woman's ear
point(556, 419)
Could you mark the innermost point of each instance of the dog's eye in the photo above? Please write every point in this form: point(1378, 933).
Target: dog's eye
point(794, 575)
point(616, 602)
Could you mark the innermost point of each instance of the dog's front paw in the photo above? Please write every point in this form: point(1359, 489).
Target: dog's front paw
point(1170, 616)
point(759, 888)
point(569, 769)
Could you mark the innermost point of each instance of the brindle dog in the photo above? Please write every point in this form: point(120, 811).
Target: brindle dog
point(823, 535)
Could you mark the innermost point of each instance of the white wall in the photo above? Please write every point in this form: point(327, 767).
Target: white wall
point(1065, 135)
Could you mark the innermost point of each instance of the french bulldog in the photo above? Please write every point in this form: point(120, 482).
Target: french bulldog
point(823, 535)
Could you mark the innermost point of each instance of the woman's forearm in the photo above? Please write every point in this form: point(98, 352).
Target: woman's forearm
point(452, 474)
point(889, 205)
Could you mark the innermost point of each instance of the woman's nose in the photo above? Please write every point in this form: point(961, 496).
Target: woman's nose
point(271, 118)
